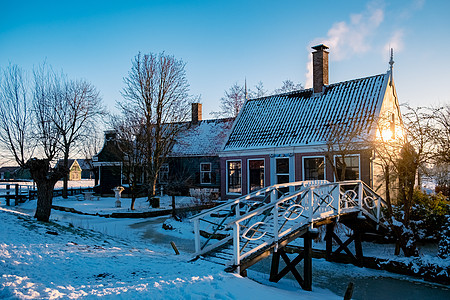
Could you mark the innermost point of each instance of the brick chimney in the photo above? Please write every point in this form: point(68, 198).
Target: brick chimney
point(320, 68)
point(196, 113)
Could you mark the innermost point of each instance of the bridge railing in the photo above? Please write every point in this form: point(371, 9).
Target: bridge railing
point(253, 223)
point(214, 223)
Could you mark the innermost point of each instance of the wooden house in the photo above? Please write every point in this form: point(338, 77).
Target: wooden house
point(193, 164)
point(296, 136)
point(79, 168)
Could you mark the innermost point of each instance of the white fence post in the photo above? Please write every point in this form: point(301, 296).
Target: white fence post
point(236, 247)
point(238, 210)
point(275, 223)
point(311, 207)
point(273, 195)
point(360, 195)
point(378, 209)
point(337, 197)
point(197, 235)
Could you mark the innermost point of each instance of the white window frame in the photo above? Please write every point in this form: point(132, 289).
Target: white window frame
point(289, 166)
point(248, 172)
point(349, 155)
point(226, 176)
point(324, 166)
point(210, 172)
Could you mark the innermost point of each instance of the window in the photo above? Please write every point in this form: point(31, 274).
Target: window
point(351, 167)
point(205, 172)
point(313, 168)
point(282, 170)
point(234, 177)
point(255, 174)
point(164, 173)
point(282, 173)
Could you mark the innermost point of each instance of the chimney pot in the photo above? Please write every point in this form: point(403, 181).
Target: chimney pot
point(196, 113)
point(320, 67)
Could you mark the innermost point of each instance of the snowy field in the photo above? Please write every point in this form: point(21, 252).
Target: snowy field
point(107, 205)
point(92, 256)
point(71, 183)
point(54, 261)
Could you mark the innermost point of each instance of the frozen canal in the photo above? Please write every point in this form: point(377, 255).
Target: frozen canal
point(368, 284)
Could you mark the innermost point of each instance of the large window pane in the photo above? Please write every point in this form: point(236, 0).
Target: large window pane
point(282, 165)
point(234, 177)
point(314, 168)
point(256, 174)
point(351, 167)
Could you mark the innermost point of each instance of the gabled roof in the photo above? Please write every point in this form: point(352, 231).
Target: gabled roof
point(83, 163)
point(303, 118)
point(205, 138)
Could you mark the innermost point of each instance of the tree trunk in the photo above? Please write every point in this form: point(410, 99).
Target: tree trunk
point(44, 200)
point(387, 179)
point(45, 179)
point(66, 177)
point(174, 213)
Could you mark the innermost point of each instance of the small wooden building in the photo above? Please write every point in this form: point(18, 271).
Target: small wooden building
point(193, 164)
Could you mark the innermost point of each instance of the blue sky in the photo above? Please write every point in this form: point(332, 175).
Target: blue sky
point(223, 42)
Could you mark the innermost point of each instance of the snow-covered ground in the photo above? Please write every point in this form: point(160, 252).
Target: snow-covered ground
point(107, 205)
point(53, 261)
point(93, 256)
point(71, 183)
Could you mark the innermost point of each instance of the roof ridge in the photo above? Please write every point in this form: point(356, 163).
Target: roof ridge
point(310, 89)
point(356, 79)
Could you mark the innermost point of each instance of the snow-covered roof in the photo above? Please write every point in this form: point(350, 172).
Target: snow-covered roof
point(205, 138)
point(304, 118)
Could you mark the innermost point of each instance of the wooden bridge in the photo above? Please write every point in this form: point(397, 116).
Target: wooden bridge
point(245, 230)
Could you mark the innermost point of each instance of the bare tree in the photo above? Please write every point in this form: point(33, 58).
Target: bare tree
point(288, 86)
point(77, 108)
point(15, 113)
point(441, 133)
point(156, 89)
point(342, 140)
point(402, 156)
point(259, 91)
point(132, 145)
point(232, 102)
point(26, 129)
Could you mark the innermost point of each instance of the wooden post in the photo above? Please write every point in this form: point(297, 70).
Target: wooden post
point(349, 291)
point(8, 187)
point(307, 265)
point(358, 247)
point(175, 248)
point(274, 266)
point(16, 194)
point(329, 241)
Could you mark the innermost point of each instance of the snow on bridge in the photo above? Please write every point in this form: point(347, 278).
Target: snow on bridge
point(245, 230)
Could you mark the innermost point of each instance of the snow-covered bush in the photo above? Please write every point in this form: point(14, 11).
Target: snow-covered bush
point(444, 243)
point(428, 215)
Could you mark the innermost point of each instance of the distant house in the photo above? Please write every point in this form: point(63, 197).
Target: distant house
point(285, 137)
point(79, 169)
point(14, 173)
point(193, 162)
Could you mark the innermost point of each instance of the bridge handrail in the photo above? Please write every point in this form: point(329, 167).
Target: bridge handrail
point(258, 193)
point(312, 201)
